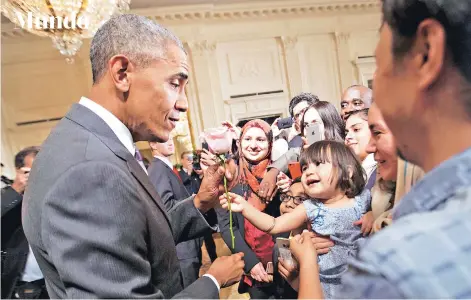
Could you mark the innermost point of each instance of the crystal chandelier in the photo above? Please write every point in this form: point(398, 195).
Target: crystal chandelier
point(66, 22)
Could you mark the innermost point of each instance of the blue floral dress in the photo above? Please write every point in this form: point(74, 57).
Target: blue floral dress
point(338, 224)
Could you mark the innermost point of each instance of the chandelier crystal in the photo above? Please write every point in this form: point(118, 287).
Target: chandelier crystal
point(66, 22)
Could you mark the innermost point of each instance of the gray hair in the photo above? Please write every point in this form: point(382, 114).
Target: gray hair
point(137, 37)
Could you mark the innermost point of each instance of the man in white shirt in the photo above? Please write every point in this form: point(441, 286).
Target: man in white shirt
point(21, 276)
point(95, 222)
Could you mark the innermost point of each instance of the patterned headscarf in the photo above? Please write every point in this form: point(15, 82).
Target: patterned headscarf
point(251, 173)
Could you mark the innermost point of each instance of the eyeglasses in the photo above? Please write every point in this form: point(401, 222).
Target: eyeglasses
point(296, 116)
point(296, 199)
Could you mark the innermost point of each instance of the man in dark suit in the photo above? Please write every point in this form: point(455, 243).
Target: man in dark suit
point(190, 179)
point(21, 276)
point(93, 219)
point(171, 190)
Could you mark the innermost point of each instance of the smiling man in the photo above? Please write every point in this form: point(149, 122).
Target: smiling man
point(95, 222)
point(423, 89)
point(355, 97)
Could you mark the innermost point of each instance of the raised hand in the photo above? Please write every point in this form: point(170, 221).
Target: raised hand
point(237, 202)
point(207, 159)
point(274, 128)
point(283, 182)
point(303, 249)
point(212, 185)
point(268, 185)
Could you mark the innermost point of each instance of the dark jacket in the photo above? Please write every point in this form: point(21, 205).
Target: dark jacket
point(95, 223)
point(15, 247)
point(250, 258)
point(191, 182)
point(171, 191)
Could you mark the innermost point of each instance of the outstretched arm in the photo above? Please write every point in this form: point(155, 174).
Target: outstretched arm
point(262, 221)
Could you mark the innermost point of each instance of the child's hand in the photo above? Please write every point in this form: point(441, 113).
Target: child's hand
point(283, 182)
point(237, 202)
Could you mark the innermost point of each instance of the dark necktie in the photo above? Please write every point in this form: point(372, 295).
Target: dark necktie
point(138, 157)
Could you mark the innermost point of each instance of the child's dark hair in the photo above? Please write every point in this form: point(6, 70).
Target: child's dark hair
point(344, 162)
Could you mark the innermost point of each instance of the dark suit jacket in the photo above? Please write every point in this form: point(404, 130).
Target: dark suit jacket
point(95, 223)
point(171, 190)
point(192, 183)
point(14, 244)
point(281, 289)
point(272, 209)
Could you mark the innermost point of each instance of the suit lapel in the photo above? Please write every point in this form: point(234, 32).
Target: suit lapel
point(143, 178)
point(93, 123)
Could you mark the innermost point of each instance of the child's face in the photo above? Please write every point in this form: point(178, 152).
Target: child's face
point(295, 197)
point(318, 180)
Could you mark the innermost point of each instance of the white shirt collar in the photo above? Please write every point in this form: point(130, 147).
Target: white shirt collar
point(165, 160)
point(121, 131)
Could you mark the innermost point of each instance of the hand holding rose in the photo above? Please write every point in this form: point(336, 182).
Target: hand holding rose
point(212, 185)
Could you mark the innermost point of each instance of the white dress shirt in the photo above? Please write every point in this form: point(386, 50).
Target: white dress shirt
point(165, 160)
point(32, 272)
point(124, 135)
point(119, 129)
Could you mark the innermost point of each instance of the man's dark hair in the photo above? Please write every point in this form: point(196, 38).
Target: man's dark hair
point(307, 97)
point(404, 17)
point(334, 126)
point(344, 162)
point(20, 156)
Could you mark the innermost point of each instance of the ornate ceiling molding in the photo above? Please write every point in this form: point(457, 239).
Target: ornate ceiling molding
point(241, 11)
point(202, 47)
point(258, 10)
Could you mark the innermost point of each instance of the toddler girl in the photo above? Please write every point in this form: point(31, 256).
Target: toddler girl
point(333, 180)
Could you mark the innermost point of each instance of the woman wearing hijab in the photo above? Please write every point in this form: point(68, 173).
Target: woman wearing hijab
point(254, 154)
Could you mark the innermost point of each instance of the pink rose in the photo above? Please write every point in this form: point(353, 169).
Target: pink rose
point(219, 139)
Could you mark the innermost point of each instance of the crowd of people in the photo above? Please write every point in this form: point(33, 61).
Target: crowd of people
point(372, 201)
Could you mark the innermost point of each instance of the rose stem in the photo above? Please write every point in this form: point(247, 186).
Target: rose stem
point(229, 206)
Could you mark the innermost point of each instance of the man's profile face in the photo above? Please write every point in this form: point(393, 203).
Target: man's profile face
point(157, 96)
point(298, 113)
point(395, 87)
point(165, 149)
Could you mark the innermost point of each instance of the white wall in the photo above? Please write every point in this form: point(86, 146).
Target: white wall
point(303, 46)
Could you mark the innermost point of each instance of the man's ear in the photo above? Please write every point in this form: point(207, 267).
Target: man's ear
point(121, 68)
point(430, 47)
